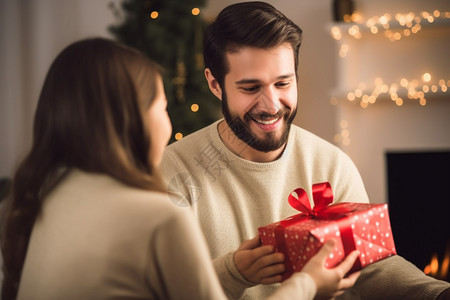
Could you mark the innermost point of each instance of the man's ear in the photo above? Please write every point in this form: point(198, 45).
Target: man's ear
point(213, 84)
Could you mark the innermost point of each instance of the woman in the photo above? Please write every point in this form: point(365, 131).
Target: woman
point(88, 216)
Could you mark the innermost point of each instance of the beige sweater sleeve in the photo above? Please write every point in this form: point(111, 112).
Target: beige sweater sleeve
point(233, 283)
point(298, 286)
point(183, 260)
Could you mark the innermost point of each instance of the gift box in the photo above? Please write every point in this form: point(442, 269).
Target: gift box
point(353, 226)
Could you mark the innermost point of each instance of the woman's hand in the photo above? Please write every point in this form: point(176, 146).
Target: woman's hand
point(331, 282)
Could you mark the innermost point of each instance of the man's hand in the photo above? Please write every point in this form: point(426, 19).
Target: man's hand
point(259, 264)
point(331, 282)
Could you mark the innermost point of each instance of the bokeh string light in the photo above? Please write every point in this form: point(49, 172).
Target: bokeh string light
point(154, 14)
point(398, 92)
point(394, 27)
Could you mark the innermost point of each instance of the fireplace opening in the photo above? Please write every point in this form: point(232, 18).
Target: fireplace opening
point(419, 207)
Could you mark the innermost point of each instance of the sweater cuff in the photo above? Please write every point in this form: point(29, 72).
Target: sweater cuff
point(233, 283)
point(299, 284)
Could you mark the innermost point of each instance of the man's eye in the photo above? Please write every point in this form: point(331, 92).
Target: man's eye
point(251, 89)
point(282, 84)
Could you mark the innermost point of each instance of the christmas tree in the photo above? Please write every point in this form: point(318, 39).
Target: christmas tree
point(170, 32)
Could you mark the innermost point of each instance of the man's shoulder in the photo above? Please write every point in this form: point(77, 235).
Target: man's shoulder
point(193, 140)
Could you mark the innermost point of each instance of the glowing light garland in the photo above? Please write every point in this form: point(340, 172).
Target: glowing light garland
point(395, 28)
point(397, 92)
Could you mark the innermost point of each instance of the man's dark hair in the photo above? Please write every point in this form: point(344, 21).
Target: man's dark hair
point(248, 24)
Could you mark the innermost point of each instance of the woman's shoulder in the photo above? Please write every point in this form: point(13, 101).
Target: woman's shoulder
point(99, 191)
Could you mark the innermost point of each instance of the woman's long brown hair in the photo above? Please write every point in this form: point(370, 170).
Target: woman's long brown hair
point(90, 116)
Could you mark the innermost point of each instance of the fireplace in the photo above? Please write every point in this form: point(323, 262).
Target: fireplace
point(419, 207)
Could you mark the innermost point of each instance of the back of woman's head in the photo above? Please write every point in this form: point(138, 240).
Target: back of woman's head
point(90, 116)
point(89, 113)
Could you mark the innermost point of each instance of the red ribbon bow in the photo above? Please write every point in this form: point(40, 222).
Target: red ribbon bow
point(322, 196)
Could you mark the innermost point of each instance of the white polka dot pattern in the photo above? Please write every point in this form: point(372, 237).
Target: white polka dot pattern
point(369, 224)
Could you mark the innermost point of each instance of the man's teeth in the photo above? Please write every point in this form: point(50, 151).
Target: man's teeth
point(267, 122)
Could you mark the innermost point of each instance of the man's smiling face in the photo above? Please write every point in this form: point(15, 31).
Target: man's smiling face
point(259, 100)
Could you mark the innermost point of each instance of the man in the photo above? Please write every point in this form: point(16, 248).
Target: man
point(237, 173)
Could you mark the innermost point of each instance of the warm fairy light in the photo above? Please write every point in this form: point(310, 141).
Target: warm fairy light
point(351, 96)
point(344, 50)
point(178, 136)
point(356, 17)
point(419, 94)
point(354, 30)
point(194, 107)
point(383, 20)
point(336, 32)
point(154, 14)
point(347, 18)
point(393, 88)
point(426, 77)
point(337, 138)
point(404, 82)
point(345, 133)
point(416, 28)
point(195, 11)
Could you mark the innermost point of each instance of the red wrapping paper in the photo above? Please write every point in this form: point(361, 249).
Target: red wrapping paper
point(353, 226)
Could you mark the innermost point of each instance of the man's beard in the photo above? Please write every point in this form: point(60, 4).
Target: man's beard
point(242, 130)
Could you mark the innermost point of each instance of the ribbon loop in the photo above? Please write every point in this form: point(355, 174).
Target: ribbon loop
point(322, 196)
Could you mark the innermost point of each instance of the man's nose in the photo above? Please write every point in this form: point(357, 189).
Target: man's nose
point(269, 101)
